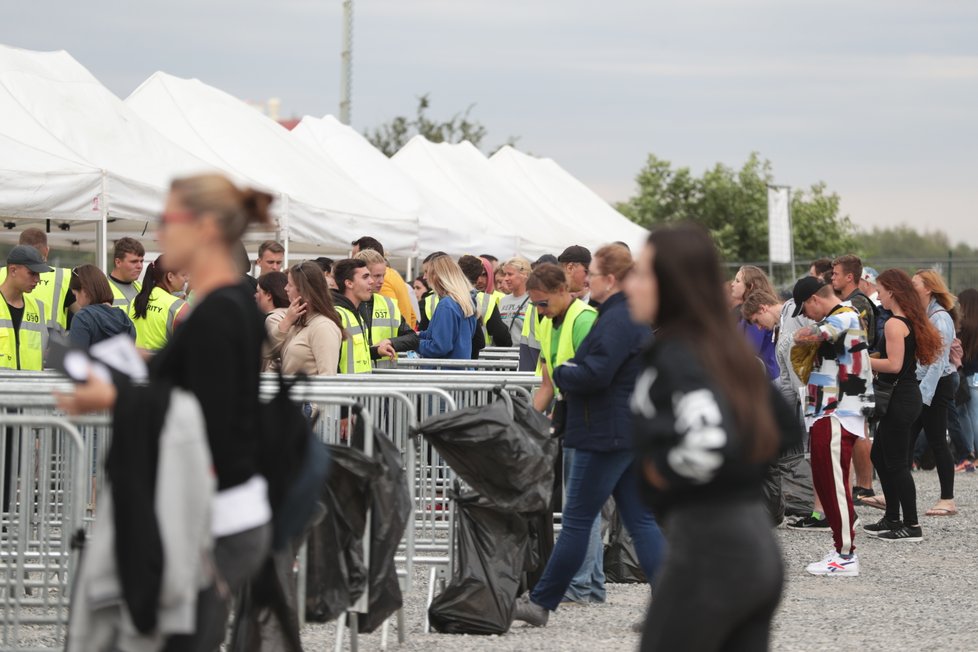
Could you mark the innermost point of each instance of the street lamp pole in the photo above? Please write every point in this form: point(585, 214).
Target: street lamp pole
point(346, 62)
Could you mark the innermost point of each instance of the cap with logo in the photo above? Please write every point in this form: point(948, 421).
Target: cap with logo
point(870, 275)
point(29, 257)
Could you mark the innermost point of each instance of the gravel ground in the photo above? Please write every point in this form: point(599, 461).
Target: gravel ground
point(910, 596)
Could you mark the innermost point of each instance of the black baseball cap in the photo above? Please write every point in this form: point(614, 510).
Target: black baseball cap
point(575, 254)
point(804, 289)
point(29, 257)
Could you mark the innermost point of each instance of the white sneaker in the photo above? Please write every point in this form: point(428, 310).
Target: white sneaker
point(836, 565)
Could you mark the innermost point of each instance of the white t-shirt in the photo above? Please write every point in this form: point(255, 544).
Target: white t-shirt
point(512, 310)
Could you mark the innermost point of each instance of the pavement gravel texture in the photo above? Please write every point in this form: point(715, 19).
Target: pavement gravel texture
point(909, 596)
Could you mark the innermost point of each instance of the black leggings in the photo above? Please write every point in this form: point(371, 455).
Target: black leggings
point(893, 436)
point(933, 420)
point(720, 583)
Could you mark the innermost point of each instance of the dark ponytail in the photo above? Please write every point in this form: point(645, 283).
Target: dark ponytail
point(155, 275)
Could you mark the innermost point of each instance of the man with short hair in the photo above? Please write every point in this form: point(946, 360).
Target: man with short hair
point(271, 257)
point(839, 392)
point(493, 328)
point(575, 261)
point(127, 266)
point(23, 319)
point(387, 331)
point(847, 272)
point(820, 267)
point(394, 286)
point(354, 279)
point(52, 290)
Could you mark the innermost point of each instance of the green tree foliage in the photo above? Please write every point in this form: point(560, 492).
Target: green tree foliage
point(733, 205)
point(391, 136)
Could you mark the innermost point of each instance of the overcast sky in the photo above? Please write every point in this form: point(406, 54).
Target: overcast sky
point(877, 98)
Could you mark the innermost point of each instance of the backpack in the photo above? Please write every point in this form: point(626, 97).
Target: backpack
point(293, 461)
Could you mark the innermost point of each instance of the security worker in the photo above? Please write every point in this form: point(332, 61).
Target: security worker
point(155, 311)
point(52, 290)
point(354, 279)
point(128, 265)
point(388, 333)
point(23, 323)
point(493, 329)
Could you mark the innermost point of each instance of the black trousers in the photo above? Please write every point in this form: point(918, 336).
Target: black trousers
point(721, 580)
point(933, 421)
point(893, 437)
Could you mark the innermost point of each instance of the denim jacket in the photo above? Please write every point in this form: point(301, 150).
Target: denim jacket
point(930, 375)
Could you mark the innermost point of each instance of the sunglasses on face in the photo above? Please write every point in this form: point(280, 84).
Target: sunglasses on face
point(542, 304)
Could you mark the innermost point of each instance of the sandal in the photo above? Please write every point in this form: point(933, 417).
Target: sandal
point(941, 511)
point(876, 502)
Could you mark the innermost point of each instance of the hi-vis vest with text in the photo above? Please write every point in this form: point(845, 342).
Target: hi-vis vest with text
point(565, 345)
point(488, 303)
point(354, 350)
point(384, 325)
point(51, 290)
point(155, 329)
point(123, 294)
point(33, 336)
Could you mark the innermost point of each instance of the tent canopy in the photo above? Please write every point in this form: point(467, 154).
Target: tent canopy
point(545, 183)
point(319, 204)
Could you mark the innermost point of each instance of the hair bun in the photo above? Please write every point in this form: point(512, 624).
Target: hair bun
point(255, 205)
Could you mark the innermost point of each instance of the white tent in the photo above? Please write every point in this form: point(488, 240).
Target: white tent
point(548, 185)
point(320, 207)
point(75, 155)
point(460, 176)
point(443, 227)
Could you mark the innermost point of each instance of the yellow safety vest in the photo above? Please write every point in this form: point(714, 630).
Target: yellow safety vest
point(51, 290)
point(155, 329)
point(123, 294)
point(565, 345)
point(533, 330)
point(355, 350)
point(386, 320)
point(430, 303)
point(33, 336)
point(488, 303)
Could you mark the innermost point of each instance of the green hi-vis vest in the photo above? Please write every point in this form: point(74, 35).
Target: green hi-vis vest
point(123, 294)
point(354, 350)
point(33, 336)
point(384, 325)
point(488, 303)
point(155, 329)
point(565, 345)
point(51, 290)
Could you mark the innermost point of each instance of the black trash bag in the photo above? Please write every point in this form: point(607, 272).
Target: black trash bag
point(336, 575)
point(265, 617)
point(773, 495)
point(507, 459)
point(796, 483)
point(621, 565)
point(392, 507)
point(491, 547)
point(540, 545)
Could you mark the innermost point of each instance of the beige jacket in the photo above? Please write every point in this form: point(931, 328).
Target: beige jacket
point(313, 349)
point(272, 348)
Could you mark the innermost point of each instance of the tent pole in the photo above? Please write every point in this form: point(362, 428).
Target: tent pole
point(102, 237)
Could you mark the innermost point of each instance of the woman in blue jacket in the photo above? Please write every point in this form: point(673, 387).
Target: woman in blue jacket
point(598, 383)
point(454, 323)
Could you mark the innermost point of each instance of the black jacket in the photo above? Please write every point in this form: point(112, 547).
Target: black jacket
point(406, 339)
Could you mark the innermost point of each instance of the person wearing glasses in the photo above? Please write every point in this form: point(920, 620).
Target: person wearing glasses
point(598, 382)
point(96, 319)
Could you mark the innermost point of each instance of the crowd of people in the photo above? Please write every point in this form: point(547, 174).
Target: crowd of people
point(672, 390)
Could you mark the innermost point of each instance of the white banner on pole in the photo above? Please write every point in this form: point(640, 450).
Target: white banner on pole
point(778, 224)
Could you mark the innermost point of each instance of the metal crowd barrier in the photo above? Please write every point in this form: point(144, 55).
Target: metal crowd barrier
point(395, 401)
point(470, 365)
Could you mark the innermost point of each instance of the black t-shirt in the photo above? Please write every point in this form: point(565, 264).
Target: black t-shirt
point(17, 317)
point(216, 355)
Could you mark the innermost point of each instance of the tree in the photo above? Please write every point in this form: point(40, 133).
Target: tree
point(732, 204)
point(391, 136)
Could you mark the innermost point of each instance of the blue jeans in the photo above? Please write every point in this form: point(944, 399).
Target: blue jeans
point(594, 477)
point(588, 584)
